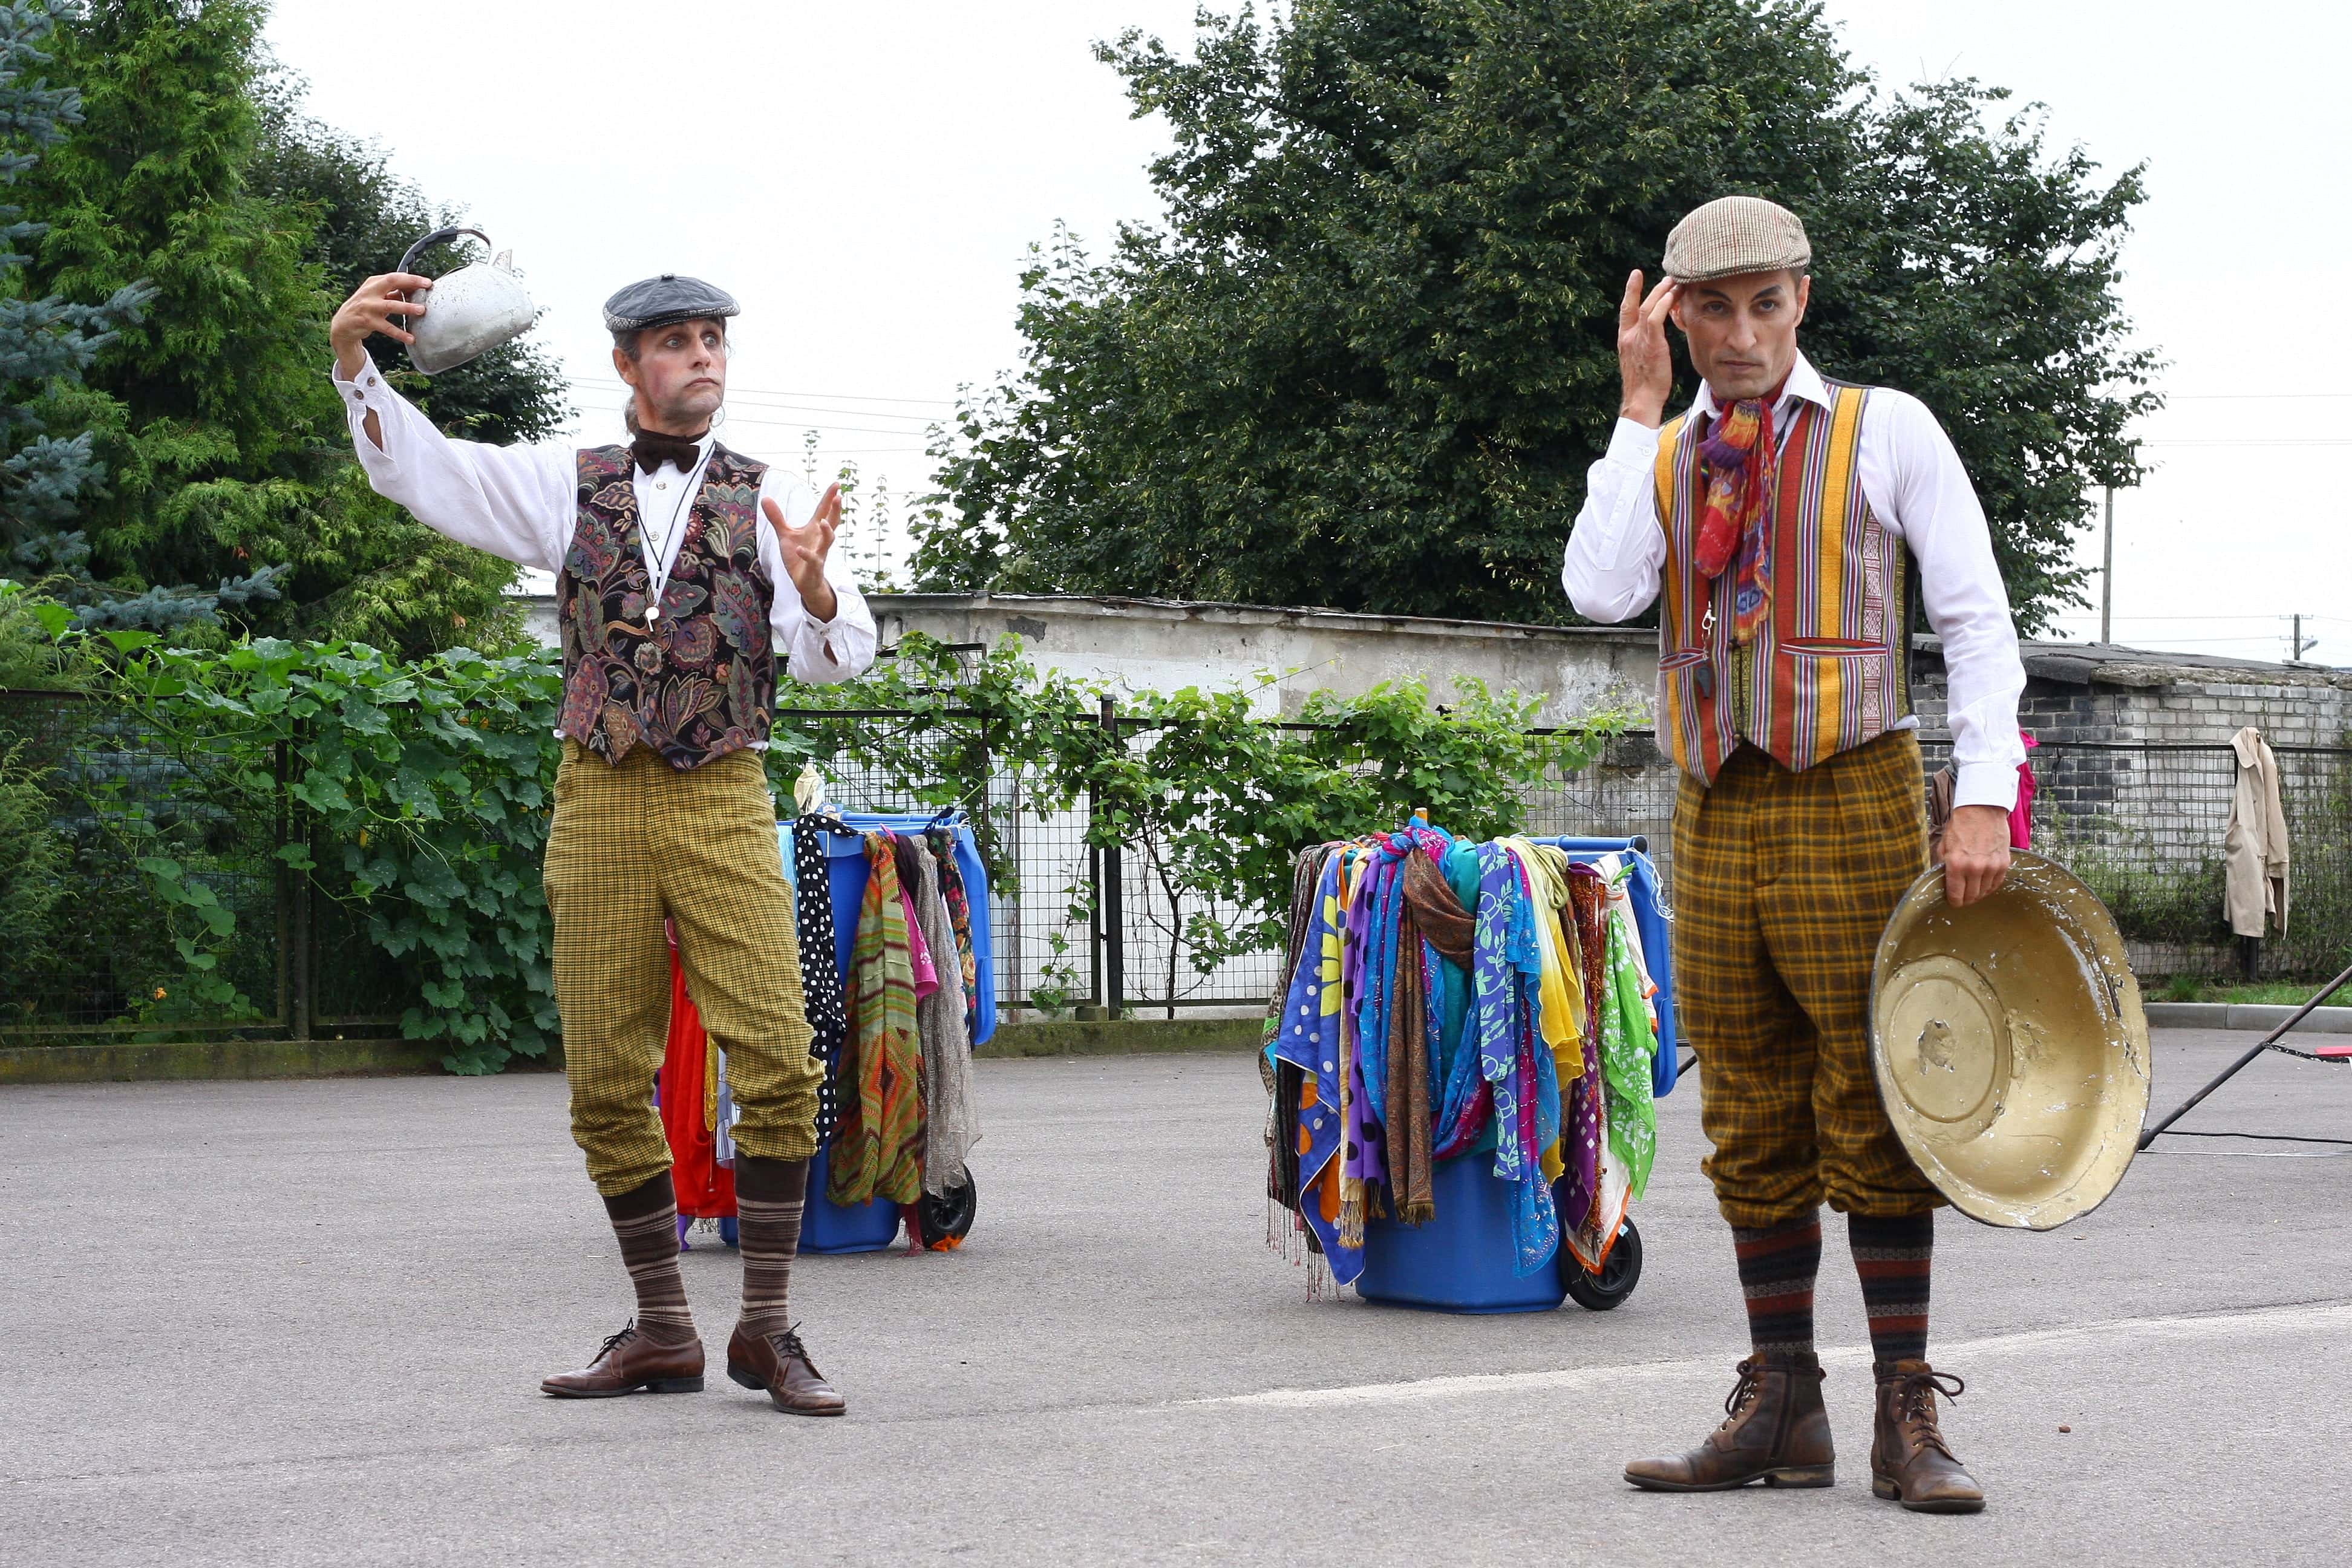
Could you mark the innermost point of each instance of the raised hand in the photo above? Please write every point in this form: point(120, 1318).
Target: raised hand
point(370, 309)
point(805, 548)
point(1642, 357)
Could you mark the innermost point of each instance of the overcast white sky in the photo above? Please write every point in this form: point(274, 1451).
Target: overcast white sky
point(865, 179)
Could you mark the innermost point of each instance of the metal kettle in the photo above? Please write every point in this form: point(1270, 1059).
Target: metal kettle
point(475, 309)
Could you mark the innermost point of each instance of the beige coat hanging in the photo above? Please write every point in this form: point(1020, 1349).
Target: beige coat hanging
point(2254, 848)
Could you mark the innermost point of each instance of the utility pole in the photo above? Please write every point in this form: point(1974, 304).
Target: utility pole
point(2299, 644)
point(2107, 574)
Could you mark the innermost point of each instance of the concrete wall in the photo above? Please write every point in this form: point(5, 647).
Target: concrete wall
point(1159, 645)
point(2074, 692)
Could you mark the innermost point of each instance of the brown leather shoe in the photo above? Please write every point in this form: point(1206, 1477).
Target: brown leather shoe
point(1775, 1431)
point(629, 1362)
point(780, 1363)
point(1909, 1460)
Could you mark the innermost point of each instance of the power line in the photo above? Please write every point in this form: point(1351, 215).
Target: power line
point(2251, 615)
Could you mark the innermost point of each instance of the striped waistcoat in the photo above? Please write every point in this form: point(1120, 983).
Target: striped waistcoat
point(1827, 670)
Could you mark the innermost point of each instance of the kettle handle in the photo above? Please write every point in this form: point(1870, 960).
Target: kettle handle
point(438, 236)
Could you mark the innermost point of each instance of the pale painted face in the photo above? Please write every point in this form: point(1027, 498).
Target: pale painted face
point(679, 375)
point(1742, 330)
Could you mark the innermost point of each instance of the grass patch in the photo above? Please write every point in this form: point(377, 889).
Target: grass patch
point(2284, 993)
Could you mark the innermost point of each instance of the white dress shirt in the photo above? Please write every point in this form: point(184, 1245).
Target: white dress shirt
point(1913, 482)
point(521, 504)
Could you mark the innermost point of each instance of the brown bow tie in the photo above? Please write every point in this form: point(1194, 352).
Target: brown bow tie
point(652, 449)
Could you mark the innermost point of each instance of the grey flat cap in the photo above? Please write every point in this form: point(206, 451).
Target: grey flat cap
point(1734, 234)
point(658, 302)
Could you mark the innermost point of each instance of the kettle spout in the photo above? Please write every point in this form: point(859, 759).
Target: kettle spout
point(504, 261)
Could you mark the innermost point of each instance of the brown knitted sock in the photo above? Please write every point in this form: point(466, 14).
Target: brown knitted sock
point(644, 1221)
point(769, 1197)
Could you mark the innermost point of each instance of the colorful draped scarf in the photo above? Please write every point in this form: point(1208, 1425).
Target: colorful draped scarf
point(1285, 1077)
point(1628, 1039)
point(1504, 977)
point(1309, 1040)
point(1590, 1224)
point(877, 1152)
point(943, 847)
point(1735, 463)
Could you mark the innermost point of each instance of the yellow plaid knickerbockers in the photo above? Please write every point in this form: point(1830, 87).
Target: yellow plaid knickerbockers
point(1783, 882)
point(633, 842)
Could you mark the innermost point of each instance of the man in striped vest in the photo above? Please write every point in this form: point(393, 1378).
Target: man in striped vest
point(1788, 521)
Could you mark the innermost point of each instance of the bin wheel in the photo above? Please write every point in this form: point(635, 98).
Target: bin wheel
point(947, 1218)
point(1619, 1272)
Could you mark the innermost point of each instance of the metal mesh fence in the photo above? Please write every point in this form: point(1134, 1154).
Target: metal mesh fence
point(101, 953)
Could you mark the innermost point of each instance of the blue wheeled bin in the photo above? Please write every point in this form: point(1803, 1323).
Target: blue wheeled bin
point(1461, 1261)
point(826, 1225)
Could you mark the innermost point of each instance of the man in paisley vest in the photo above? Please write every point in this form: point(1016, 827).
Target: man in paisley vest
point(1788, 521)
point(686, 574)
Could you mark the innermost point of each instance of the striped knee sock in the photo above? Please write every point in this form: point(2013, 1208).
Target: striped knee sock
point(769, 1197)
point(1777, 1269)
point(644, 1221)
point(1894, 1256)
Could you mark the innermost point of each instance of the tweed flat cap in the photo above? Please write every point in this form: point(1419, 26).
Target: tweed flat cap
point(658, 302)
point(1734, 234)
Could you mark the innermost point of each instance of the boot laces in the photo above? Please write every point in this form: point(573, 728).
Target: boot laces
point(788, 1344)
point(1744, 1392)
point(1915, 1404)
point(614, 1342)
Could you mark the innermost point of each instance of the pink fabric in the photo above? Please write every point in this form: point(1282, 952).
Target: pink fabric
point(2020, 815)
point(927, 976)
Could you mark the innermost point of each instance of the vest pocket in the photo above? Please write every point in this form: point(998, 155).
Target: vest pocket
point(1834, 647)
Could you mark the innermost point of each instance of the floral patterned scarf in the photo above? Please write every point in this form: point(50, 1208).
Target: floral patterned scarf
point(878, 1151)
point(1736, 464)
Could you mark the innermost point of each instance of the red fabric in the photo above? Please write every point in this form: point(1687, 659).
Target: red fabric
point(706, 1189)
point(2020, 815)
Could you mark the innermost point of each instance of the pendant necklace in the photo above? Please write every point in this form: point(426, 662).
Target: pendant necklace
point(658, 573)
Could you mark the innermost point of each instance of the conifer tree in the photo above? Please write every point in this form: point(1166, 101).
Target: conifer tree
point(45, 344)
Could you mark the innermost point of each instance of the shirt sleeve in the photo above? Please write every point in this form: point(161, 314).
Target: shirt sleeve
point(815, 653)
point(1913, 475)
point(516, 502)
point(1617, 550)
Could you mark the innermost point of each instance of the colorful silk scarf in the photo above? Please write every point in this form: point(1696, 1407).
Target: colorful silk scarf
point(878, 1152)
point(1503, 978)
point(951, 888)
point(1587, 899)
point(1309, 1040)
point(1736, 464)
point(1628, 1036)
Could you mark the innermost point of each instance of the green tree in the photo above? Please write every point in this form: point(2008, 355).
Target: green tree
point(1368, 356)
point(225, 446)
point(45, 344)
point(362, 219)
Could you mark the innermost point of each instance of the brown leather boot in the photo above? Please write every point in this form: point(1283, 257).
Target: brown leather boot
point(629, 1362)
point(1776, 1432)
point(1909, 1460)
point(780, 1363)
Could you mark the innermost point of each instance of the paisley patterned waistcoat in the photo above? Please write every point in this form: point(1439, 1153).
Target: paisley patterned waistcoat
point(696, 682)
point(1828, 668)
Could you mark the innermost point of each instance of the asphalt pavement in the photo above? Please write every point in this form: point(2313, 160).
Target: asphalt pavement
point(304, 1323)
